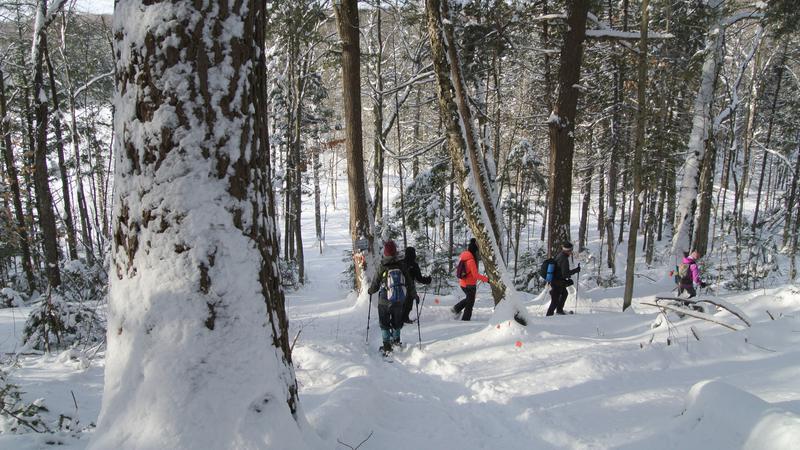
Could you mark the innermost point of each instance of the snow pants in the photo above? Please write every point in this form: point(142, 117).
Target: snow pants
point(467, 303)
point(558, 298)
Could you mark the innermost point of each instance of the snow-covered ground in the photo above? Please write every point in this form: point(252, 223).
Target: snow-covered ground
point(599, 378)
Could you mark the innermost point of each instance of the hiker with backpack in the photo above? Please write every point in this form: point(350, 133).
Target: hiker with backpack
point(689, 274)
point(415, 276)
point(559, 276)
point(391, 282)
point(468, 276)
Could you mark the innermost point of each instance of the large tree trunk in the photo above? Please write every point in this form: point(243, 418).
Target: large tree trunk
point(12, 178)
point(561, 126)
point(701, 120)
point(198, 345)
point(636, 168)
point(361, 225)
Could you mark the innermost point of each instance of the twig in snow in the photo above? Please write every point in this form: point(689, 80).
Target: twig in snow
point(357, 446)
point(770, 315)
point(294, 341)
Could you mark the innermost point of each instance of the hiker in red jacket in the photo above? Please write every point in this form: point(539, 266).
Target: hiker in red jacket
point(469, 280)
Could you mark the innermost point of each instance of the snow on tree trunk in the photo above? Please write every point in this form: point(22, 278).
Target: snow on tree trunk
point(701, 123)
point(476, 197)
point(198, 351)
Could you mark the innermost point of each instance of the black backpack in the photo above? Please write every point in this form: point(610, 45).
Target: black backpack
point(461, 270)
point(546, 266)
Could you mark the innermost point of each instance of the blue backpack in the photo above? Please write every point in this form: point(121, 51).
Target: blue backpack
point(395, 286)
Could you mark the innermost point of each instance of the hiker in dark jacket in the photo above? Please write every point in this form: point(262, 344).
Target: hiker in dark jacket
point(562, 279)
point(415, 276)
point(390, 314)
point(469, 282)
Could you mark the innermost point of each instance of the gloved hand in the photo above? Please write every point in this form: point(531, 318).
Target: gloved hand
point(577, 269)
point(703, 284)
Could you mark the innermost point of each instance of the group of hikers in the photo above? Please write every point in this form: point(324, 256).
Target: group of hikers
point(396, 278)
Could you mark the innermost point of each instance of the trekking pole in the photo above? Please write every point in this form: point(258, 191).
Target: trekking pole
point(419, 331)
point(369, 311)
point(577, 285)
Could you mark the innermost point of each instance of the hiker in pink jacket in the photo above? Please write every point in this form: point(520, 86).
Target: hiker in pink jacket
point(690, 274)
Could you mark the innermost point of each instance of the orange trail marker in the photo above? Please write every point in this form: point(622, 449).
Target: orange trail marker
point(436, 301)
point(518, 344)
point(498, 326)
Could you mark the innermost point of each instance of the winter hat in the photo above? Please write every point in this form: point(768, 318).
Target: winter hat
point(389, 248)
point(566, 245)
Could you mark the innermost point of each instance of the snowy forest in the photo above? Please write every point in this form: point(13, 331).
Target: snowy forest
point(400, 224)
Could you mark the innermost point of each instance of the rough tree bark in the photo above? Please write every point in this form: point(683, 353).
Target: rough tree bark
point(44, 198)
point(361, 225)
point(13, 183)
point(195, 284)
point(561, 125)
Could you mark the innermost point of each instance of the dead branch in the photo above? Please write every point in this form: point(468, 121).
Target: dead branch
point(357, 446)
point(692, 313)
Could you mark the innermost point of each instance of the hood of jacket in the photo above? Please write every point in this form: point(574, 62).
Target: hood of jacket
point(411, 255)
point(466, 255)
point(688, 260)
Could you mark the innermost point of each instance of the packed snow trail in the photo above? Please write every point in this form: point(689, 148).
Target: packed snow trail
point(592, 380)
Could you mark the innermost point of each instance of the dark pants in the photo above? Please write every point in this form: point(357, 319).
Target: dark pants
point(408, 306)
point(688, 288)
point(390, 316)
point(467, 303)
point(558, 298)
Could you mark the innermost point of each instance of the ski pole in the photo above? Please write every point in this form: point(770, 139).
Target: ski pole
point(419, 331)
point(577, 285)
point(369, 311)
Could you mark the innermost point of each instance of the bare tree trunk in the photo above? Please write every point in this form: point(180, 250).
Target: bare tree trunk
point(561, 126)
point(44, 199)
point(378, 140)
point(790, 199)
point(360, 221)
point(587, 198)
point(637, 159)
point(317, 195)
point(703, 220)
point(13, 183)
point(66, 192)
point(225, 278)
point(768, 139)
